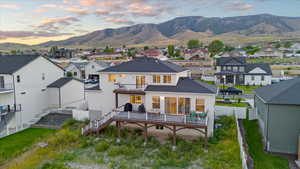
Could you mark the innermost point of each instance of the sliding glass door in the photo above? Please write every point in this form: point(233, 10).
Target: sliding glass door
point(184, 105)
point(140, 82)
point(171, 105)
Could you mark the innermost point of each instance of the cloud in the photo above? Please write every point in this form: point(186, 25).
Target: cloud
point(147, 10)
point(28, 34)
point(102, 12)
point(40, 10)
point(77, 10)
point(119, 21)
point(88, 2)
point(49, 6)
point(60, 20)
point(10, 6)
point(239, 6)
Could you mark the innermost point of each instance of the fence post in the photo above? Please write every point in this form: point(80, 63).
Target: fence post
point(185, 118)
point(146, 116)
point(165, 117)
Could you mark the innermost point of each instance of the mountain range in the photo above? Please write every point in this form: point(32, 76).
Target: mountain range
point(239, 29)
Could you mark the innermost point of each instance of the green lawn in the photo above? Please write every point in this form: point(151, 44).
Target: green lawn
point(232, 104)
point(14, 145)
point(261, 159)
point(247, 89)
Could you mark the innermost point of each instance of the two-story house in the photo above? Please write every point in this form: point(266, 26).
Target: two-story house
point(77, 69)
point(235, 70)
point(30, 84)
point(161, 86)
point(92, 69)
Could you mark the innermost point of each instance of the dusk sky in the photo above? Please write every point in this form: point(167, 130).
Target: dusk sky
point(36, 21)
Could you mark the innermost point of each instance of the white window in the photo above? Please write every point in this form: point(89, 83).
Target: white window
point(242, 69)
point(235, 68)
point(252, 77)
point(200, 106)
point(112, 78)
point(156, 78)
point(262, 78)
point(136, 99)
point(167, 78)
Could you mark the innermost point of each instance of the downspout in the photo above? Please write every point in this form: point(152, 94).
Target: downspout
point(59, 94)
point(267, 134)
point(15, 100)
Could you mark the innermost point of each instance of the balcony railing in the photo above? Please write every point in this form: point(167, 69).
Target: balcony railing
point(4, 109)
point(6, 86)
point(131, 86)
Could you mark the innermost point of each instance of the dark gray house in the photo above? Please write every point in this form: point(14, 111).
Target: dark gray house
point(278, 109)
point(236, 70)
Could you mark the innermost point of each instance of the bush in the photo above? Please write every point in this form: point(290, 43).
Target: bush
point(53, 166)
point(102, 146)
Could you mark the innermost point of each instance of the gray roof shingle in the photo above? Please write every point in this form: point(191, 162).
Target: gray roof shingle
point(11, 63)
point(146, 64)
point(184, 85)
point(286, 92)
point(264, 66)
point(234, 61)
point(61, 82)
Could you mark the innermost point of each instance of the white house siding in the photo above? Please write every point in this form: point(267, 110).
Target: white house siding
point(31, 90)
point(89, 70)
point(53, 97)
point(209, 103)
point(73, 69)
point(72, 94)
point(95, 100)
point(257, 80)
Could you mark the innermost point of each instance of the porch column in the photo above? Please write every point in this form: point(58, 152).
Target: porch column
point(234, 79)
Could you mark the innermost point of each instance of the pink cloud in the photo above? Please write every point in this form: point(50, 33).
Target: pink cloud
point(10, 6)
point(119, 21)
point(27, 34)
point(102, 12)
point(40, 10)
point(239, 6)
point(77, 10)
point(60, 20)
point(88, 2)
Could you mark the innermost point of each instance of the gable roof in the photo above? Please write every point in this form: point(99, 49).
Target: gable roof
point(264, 66)
point(286, 92)
point(231, 61)
point(61, 82)
point(11, 63)
point(184, 85)
point(79, 65)
point(146, 64)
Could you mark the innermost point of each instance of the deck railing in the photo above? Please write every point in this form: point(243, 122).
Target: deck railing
point(6, 86)
point(131, 86)
point(167, 118)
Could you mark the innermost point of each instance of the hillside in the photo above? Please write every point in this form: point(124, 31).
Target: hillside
point(239, 29)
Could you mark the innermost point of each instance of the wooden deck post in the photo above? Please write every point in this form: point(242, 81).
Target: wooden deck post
point(174, 137)
point(146, 133)
point(206, 141)
point(117, 100)
point(119, 131)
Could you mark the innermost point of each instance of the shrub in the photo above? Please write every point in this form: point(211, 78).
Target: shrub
point(102, 146)
point(53, 166)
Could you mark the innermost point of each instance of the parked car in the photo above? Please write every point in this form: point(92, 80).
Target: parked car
point(230, 91)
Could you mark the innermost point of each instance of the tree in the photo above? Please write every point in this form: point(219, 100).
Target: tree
point(192, 44)
point(215, 47)
point(171, 50)
point(288, 44)
point(228, 48)
point(177, 53)
point(146, 47)
point(277, 45)
point(69, 74)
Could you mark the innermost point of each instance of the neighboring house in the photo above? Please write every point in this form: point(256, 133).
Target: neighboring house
point(161, 86)
point(77, 69)
point(278, 109)
point(196, 54)
point(92, 69)
point(153, 53)
point(269, 52)
point(66, 92)
point(106, 56)
point(23, 82)
point(235, 70)
point(235, 53)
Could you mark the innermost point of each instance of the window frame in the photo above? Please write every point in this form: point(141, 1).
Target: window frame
point(167, 79)
point(156, 78)
point(112, 78)
point(136, 99)
point(155, 102)
point(200, 104)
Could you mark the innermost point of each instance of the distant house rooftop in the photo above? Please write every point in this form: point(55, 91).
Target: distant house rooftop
point(146, 64)
point(234, 61)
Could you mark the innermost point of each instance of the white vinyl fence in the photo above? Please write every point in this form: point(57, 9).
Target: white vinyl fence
point(243, 153)
point(80, 115)
point(241, 112)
